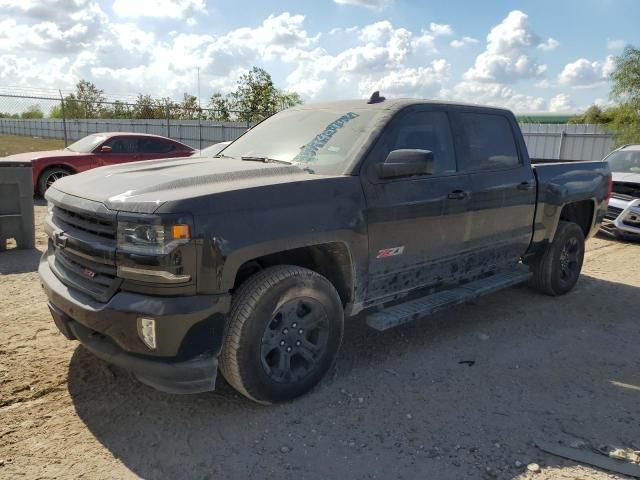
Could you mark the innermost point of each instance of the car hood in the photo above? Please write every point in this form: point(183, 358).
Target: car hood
point(143, 187)
point(626, 177)
point(30, 156)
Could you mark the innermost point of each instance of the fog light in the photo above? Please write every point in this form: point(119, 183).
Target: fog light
point(147, 331)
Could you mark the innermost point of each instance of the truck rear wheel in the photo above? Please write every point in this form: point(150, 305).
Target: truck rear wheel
point(284, 332)
point(556, 271)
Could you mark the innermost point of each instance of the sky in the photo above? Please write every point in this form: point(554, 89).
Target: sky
point(530, 56)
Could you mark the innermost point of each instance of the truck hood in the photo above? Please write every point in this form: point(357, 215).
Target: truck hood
point(626, 177)
point(30, 156)
point(143, 187)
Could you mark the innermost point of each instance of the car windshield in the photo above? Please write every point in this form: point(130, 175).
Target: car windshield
point(320, 141)
point(213, 150)
point(625, 161)
point(86, 144)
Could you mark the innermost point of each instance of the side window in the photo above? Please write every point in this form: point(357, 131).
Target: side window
point(155, 146)
point(423, 131)
point(124, 145)
point(487, 142)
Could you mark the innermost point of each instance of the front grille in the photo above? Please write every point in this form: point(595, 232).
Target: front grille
point(82, 221)
point(612, 213)
point(83, 247)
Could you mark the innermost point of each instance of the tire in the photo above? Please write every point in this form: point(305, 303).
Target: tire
point(283, 334)
point(557, 270)
point(49, 176)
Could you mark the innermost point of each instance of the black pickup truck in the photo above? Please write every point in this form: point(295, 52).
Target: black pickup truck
point(251, 261)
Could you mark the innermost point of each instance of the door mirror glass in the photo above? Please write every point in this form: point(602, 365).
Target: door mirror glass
point(407, 163)
point(105, 149)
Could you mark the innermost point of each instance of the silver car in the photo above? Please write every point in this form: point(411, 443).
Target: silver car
point(623, 215)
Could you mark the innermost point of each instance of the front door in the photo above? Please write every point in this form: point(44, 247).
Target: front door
point(503, 193)
point(123, 150)
point(417, 226)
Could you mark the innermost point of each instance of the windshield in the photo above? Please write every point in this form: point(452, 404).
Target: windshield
point(213, 150)
point(321, 141)
point(86, 144)
point(625, 161)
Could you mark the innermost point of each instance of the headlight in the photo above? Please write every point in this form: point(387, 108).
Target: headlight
point(151, 238)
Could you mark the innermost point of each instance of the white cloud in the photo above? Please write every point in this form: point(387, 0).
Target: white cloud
point(496, 94)
point(427, 38)
point(377, 4)
point(408, 82)
point(82, 25)
point(506, 58)
point(549, 44)
point(439, 29)
point(584, 73)
point(176, 9)
point(616, 44)
point(561, 103)
point(462, 42)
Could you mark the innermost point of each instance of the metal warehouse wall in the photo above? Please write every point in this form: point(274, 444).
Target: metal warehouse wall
point(567, 142)
point(196, 134)
point(562, 142)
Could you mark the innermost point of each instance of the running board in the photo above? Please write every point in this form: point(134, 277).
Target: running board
point(421, 307)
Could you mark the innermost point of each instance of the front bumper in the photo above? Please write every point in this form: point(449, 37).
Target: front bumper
point(623, 216)
point(189, 332)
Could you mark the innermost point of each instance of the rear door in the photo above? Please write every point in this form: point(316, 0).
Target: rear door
point(503, 196)
point(416, 225)
point(123, 149)
point(151, 148)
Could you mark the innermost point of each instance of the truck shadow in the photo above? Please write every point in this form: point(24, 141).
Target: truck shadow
point(19, 261)
point(444, 397)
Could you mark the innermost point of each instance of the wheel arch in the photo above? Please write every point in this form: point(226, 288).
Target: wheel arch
point(582, 213)
point(333, 260)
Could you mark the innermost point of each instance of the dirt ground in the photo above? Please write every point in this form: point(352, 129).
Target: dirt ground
point(398, 404)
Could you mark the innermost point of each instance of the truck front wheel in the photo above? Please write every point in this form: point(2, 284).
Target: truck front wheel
point(283, 333)
point(556, 271)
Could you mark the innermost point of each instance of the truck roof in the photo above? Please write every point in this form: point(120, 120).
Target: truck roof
point(392, 104)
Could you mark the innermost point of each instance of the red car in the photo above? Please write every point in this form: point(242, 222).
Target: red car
point(98, 150)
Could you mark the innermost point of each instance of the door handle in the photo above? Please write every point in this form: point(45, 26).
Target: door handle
point(457, 195)
point(524, 186)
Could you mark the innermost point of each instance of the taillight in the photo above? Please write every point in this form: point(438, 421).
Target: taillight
point(609, 187)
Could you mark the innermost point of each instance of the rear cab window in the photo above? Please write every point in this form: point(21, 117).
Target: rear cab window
point(485, 141)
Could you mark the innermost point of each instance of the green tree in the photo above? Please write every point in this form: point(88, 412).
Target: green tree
point(56, 112)
point(148, 107)
point(88, 101)
point(220, 107)
point(626, 78)
point(626, 92)
point(623, 118)
point(32, 112)
point(9, 115)
point(190, 108)
point(593, 115)
point(255, 98)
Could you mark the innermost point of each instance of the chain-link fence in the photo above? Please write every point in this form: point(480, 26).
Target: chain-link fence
point(53, 114)
point(50, 116)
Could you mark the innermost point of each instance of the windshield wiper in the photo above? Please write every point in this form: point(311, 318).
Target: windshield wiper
point(222, 155)
point(264, 160)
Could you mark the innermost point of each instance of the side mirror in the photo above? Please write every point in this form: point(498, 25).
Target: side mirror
point(106, 149)
point(407, 163)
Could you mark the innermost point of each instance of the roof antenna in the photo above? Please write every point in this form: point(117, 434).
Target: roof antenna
point(375, 98)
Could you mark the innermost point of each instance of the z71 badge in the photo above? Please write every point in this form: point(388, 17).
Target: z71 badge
point(390, 252)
